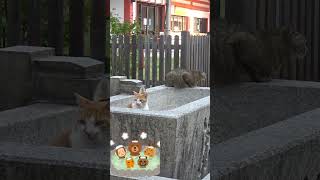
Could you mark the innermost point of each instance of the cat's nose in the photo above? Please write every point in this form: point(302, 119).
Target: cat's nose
point(91, 134)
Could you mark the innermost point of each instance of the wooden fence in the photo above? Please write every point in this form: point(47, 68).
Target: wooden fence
point(149, 58)
point(301, 15)
point(50, 17)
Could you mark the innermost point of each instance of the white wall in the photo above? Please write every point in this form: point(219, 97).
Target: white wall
point(193, 14)
point(197, 14)
point(117, 8)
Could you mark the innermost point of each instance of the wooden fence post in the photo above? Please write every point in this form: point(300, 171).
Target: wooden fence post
point(168, 54)
point(185, 44)
point(55, 25)
point(134, 57)
point(34, 22)
point(76, 47)
point(147, 67)
point(14, 22)
point(98, 30)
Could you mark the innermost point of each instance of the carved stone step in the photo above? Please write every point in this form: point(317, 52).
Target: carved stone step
point(16, 73)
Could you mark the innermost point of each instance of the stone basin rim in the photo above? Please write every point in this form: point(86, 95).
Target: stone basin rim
point(172, 113)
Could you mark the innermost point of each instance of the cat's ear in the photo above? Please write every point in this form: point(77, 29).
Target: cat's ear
point(142, 90)
point(135, 93)
point(82, 101)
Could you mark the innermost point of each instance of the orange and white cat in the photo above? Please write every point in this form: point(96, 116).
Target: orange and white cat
point(140, 100)
point(91, 129)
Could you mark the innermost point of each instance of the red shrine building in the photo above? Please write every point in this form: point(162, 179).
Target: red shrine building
point(185, 15)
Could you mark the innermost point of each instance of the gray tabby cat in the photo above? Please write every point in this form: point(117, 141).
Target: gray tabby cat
point(241, 56)
point(182, 78)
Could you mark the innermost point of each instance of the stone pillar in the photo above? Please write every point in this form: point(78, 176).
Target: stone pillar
point(59, 77)
point(115, 84)
point(16, 74)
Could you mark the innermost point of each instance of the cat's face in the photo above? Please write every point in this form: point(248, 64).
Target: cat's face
point(203, 76)
point(296, 42)
point(94, 117)
point(200, 76)
point(140, 98)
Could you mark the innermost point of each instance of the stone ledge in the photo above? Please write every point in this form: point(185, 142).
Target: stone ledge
point(69, 67)
point(256, 154)
point(275, 101)
point(34, 51)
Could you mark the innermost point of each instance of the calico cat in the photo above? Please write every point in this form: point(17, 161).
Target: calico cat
point(91, 129)
point(182, 78)
point(140, 100)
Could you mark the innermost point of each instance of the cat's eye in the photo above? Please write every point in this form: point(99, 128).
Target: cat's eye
point(81, 121)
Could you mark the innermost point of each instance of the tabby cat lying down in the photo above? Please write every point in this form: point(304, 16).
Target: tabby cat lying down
point(241, 56)
point(182, 78)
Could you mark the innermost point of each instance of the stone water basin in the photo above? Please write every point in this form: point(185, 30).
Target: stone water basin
point(25, 133)
point(178, 118)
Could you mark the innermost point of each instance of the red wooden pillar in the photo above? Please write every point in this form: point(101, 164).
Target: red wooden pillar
point(108, 8)
point(128, 10)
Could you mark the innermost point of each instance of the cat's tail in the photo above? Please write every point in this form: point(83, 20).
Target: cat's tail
point(102, 91)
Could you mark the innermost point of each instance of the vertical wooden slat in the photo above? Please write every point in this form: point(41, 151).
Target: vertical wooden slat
point(234, 11)
point(279, 21)
point(168, 54)
point(308, 18)
point(278, 12)
point(294, 16)
point(269, 14)
point(261, 14)
point(192, 52)
point(14, 22)
point(202, 61)
point(286, 21)
point(185, 48)
point(302, 25)
point(55, 25)
point(121, 55)
point(161, 59)
point(176, 51)
point(98, 30)
point(141, 57)
point(205, 67)
point(249, 14)
point(134, 57)
point(154, 60)
point(114, 55)
point(76, 28)
point(34, 22)
point(126, 57)
point(147, 68)
point(316, 39)
point(208, 60)
point(197, 53)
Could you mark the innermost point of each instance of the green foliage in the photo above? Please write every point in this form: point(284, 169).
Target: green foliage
point(126, 27)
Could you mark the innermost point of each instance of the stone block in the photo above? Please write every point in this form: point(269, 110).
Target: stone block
point(57, 78)
point(115, 84)
point(127, 86)
point(16, 73)
point(69, 67)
